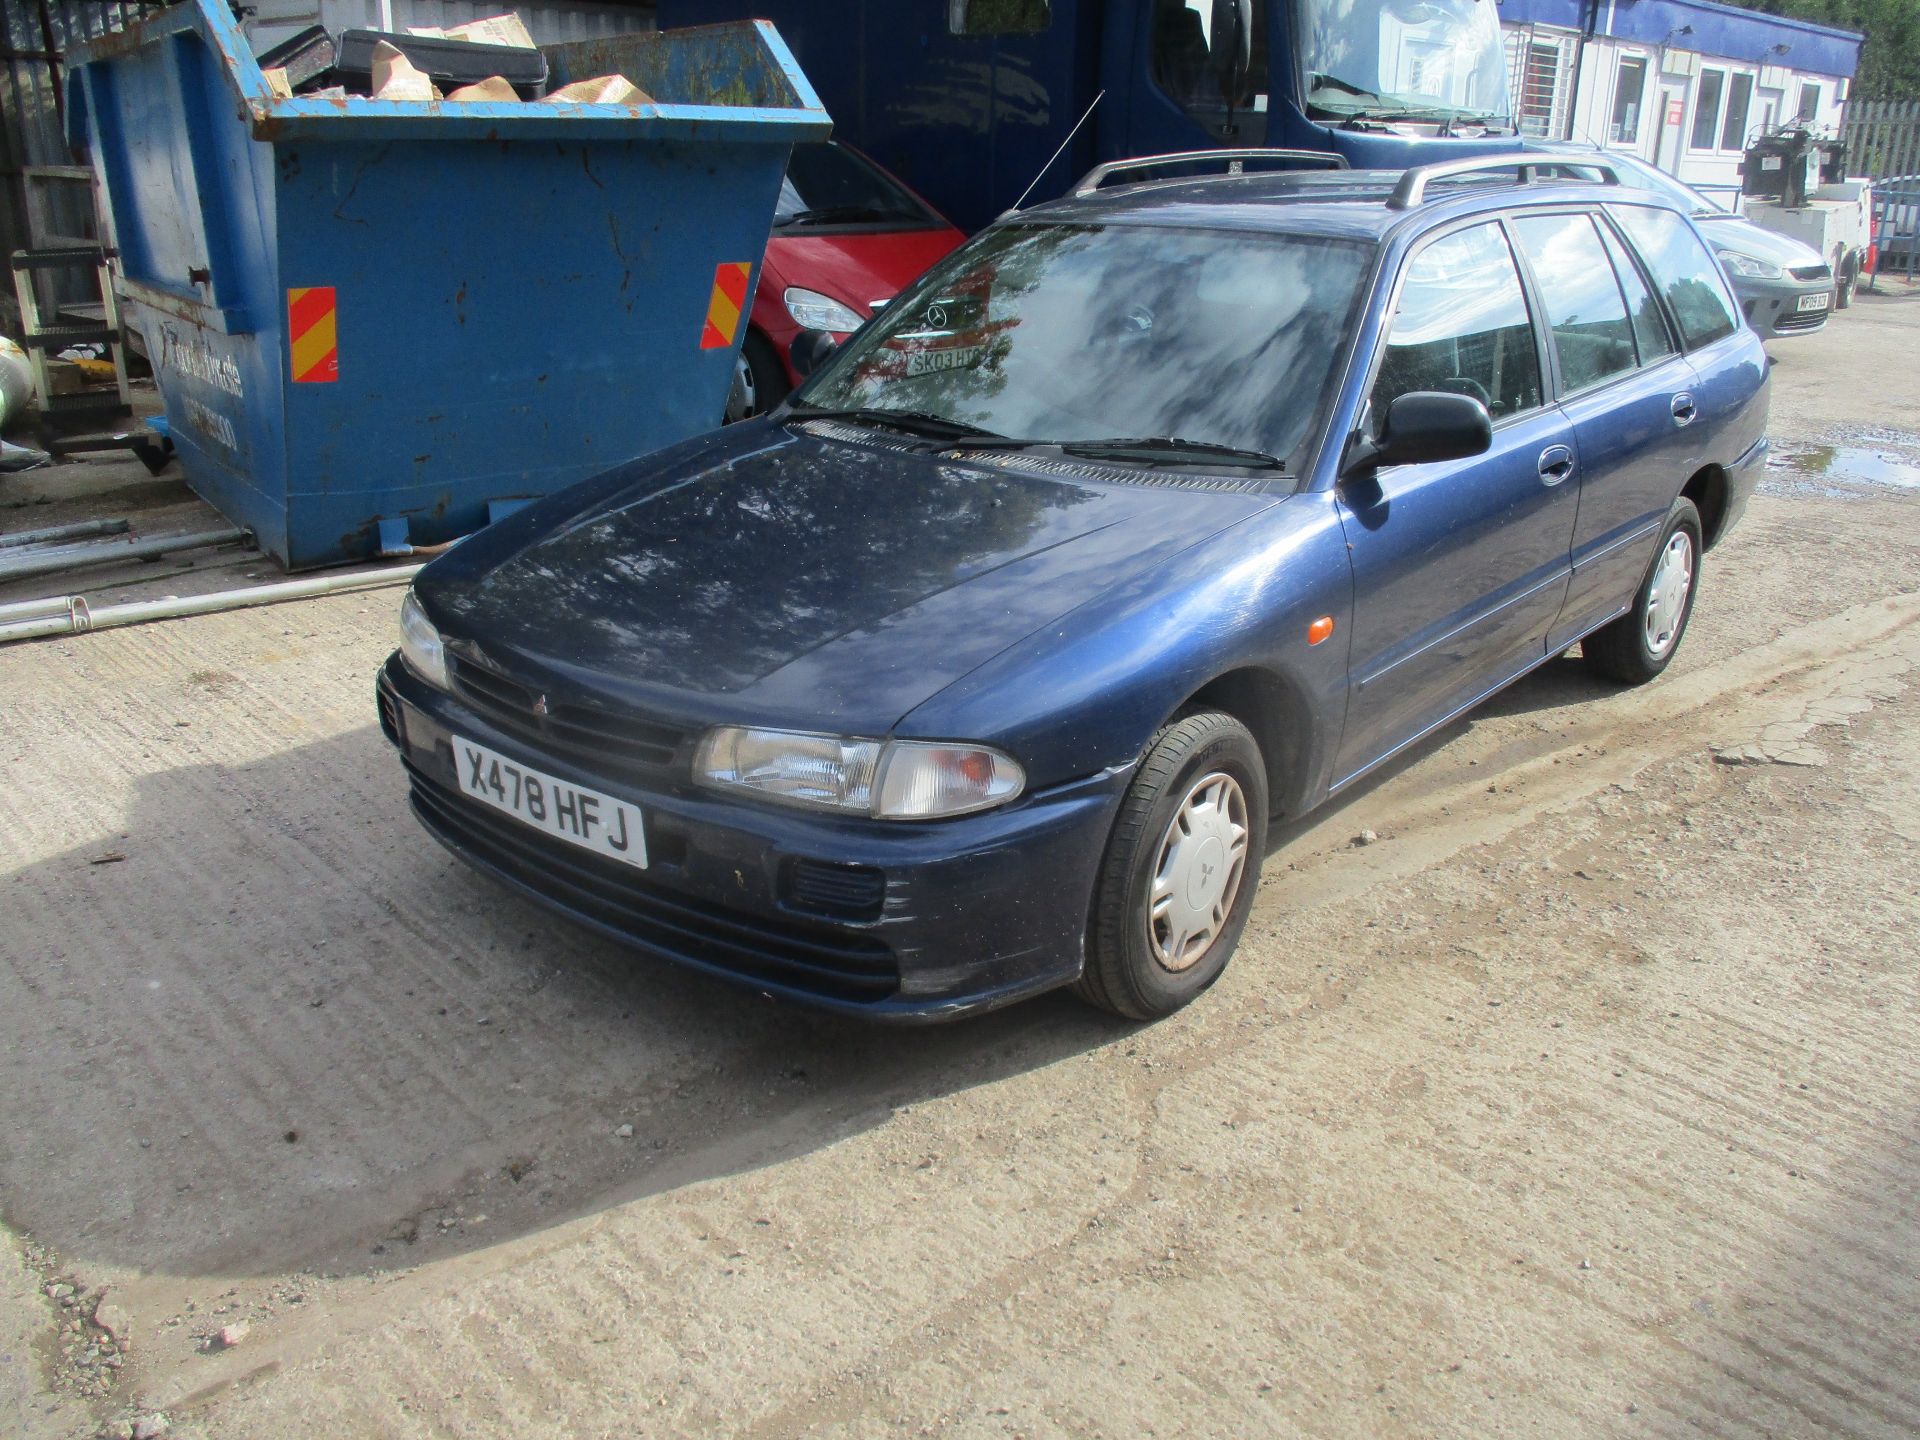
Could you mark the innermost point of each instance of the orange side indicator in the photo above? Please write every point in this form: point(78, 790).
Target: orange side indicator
point(1319, 630)
point(729, 298)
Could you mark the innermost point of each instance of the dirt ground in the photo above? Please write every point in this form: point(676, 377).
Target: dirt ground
point(1581, 1102)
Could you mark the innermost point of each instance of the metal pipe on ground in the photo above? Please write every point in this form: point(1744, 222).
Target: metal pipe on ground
point(79, 617)
point(80, 530)
point(24, 567)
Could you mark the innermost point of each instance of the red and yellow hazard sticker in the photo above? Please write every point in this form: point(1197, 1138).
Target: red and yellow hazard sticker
point(724, 309)
point(311, 335)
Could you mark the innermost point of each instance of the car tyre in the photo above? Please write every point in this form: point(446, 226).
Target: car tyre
point(1180, 870)
point(1849, 282)
point(759, 382)
point(1642, 642)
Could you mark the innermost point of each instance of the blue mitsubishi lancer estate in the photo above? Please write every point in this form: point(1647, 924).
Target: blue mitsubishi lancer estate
point(1149, 518)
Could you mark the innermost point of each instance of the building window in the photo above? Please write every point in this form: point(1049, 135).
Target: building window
point(1809, 102)
point(1629, 93)
point(1706, 109)
point(1733, 132)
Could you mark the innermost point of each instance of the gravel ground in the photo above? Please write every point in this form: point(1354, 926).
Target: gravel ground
point(1580, 1102)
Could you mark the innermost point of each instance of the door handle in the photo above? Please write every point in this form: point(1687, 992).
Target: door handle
point(1556, 464)
point(1684, 409)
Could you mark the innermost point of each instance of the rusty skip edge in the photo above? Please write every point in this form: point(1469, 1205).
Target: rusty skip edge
point(271, 118)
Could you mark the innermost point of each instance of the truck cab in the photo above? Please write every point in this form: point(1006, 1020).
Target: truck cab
point(971, 101)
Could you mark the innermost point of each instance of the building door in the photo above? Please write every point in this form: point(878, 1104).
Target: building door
point(1672, 132)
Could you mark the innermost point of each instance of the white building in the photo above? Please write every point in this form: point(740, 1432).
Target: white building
point(1683, 83)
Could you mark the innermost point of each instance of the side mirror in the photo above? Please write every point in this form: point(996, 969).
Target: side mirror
point(810, 350)
point(1230, 35)
point(1421, 427)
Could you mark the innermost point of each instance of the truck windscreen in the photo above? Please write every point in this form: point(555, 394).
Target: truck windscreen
point(1404, 59)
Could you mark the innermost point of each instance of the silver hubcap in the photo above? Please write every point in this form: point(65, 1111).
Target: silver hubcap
point(1667, 600)
point(1196, 879)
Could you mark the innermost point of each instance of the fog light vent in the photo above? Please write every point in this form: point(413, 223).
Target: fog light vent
point(852, 892)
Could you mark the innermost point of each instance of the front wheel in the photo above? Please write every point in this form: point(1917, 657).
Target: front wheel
point(1641, 643)
point(1180, 870)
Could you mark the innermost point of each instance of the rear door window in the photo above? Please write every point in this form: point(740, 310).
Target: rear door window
point(1586, 313)
point(1649, 325)
point(1461, 325)
point(1684, 270)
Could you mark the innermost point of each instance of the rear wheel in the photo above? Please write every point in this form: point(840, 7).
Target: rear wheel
point(1181, 867)
point(1849, 281)
point(1641, 643)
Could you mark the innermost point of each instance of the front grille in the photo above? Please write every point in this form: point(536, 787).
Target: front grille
point(815, 959)
point(603, 740)
point(1811, 272)
point(1812, 320)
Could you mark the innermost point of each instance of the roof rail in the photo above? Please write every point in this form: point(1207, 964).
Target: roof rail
point(1100, 174)
point(1412, 188)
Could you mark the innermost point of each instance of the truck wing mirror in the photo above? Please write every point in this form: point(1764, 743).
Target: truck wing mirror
point(1230, 39)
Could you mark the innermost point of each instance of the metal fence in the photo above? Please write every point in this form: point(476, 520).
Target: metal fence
point(1883, 138)
point(1883, 143)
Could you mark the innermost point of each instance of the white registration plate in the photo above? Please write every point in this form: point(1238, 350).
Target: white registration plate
point(932, 362)
point(572, 813)
point(1816, 302)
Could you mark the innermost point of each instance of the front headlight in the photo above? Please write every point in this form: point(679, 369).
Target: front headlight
point(889, 780)
point(813, 311)
point(1750, 265)
point(420, 644)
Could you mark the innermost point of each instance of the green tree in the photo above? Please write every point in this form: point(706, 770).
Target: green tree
point(1890, 59)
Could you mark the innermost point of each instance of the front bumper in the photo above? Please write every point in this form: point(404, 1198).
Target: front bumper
point(1772, 307)
point(935, 920)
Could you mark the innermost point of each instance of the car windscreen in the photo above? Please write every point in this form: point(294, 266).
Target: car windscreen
point(1089, 332)
point(831, 185)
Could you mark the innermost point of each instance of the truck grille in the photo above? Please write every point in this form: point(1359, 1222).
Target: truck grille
point(811, 958)
point(601, 740)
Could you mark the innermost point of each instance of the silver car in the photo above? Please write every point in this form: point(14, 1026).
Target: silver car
point(1784, 287)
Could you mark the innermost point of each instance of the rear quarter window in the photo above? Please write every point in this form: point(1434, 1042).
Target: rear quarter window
point(1684, 270)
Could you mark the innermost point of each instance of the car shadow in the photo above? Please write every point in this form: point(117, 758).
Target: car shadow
point(1562, 683)
point(267, 1024)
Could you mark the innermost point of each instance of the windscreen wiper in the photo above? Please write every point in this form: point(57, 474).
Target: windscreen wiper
point(914, 422)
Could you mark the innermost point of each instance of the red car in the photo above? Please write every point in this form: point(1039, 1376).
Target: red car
point(847, 237)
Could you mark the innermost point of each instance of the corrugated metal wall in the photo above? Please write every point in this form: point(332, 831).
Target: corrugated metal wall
point(38, 33)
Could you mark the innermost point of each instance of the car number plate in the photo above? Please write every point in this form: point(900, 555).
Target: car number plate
point(1816, 302)
point(573, 813)
point(931, 362)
